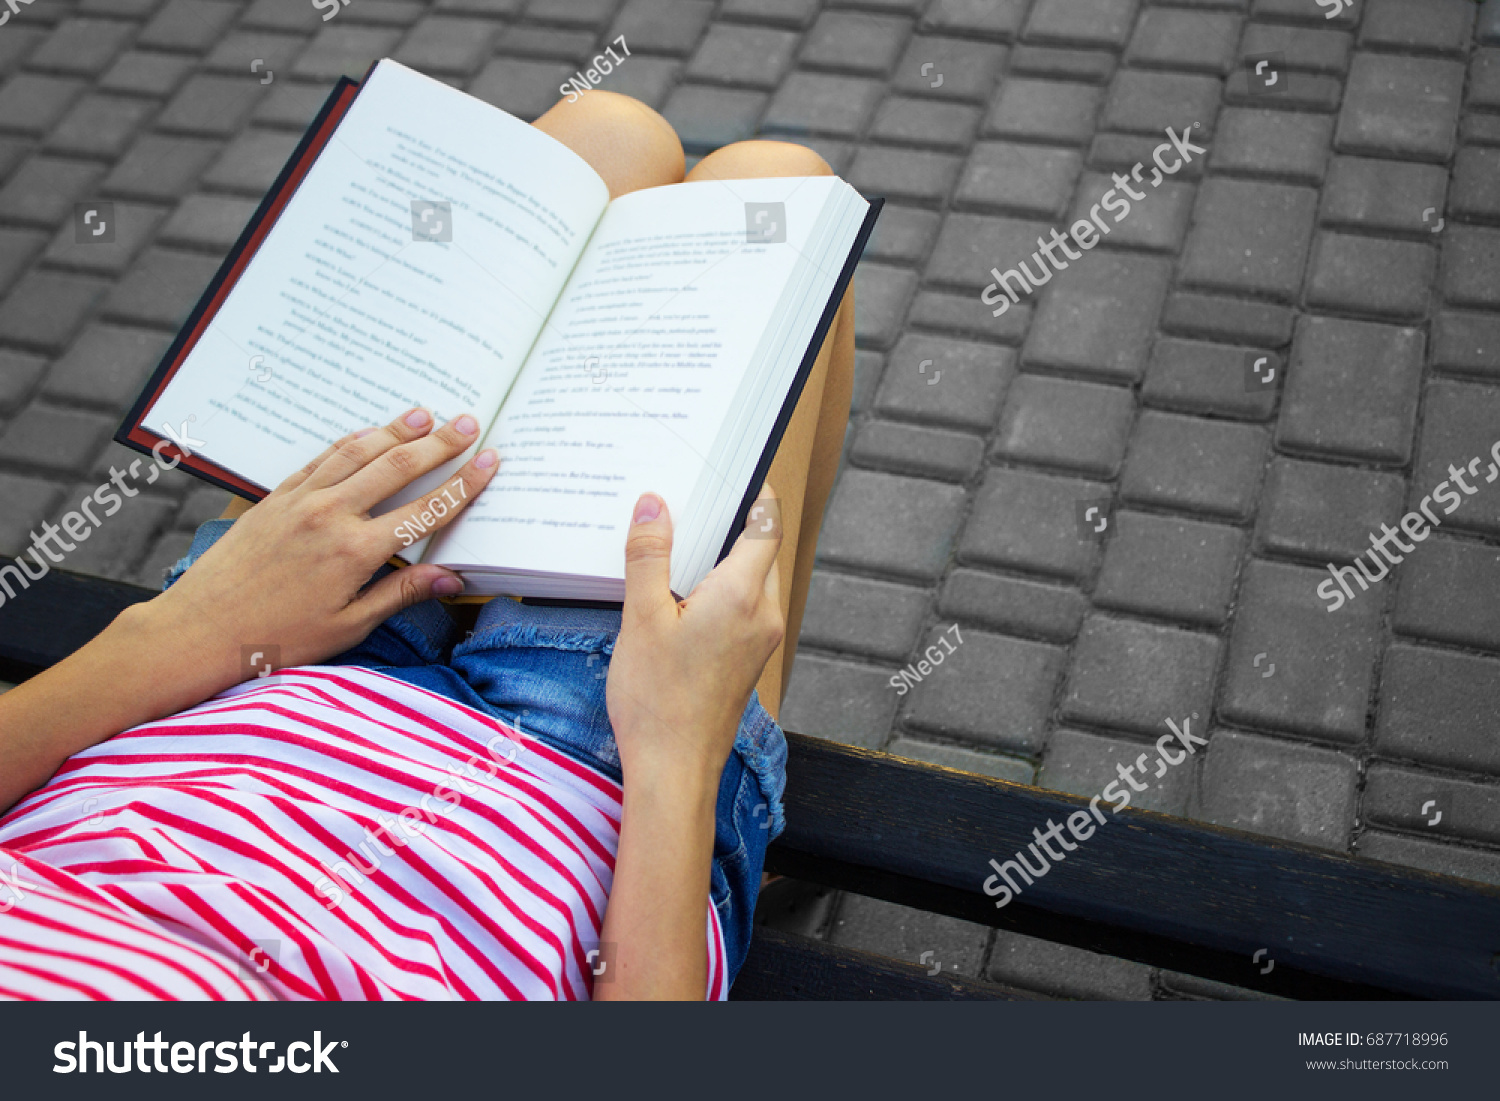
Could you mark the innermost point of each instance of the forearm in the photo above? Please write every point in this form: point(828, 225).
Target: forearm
point(657, 915)
point(136, 670)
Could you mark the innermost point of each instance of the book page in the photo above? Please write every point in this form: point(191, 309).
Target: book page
point(635, 374)
point(414, 266)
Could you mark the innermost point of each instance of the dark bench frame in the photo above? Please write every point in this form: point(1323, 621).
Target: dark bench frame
point(1147, 887)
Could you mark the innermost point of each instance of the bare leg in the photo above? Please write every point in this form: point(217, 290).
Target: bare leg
point(623, 140)
point(803, 470)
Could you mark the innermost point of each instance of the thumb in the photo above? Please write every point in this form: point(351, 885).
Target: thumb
point(405, 587)
point(648, 556)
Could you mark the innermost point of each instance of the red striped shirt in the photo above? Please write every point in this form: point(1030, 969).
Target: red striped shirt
point(333, 833)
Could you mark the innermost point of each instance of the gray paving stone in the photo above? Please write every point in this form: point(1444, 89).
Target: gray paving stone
point(34, 102)
point(524, 88)
point(648, 79)
point(1180, 570)
point(106, 366)
point(1085, 764)
point(1476, 185)
point(920, 452)
point(1013, 605)
point(793, 13)
point(1194, 464)
point(1124, 153)
point(956, 315)
point(113, 548)
point(134, 224)
point(28, 501)
point(904, 234)
point(662, 26)
point(1401, 106)
point(61, 440)
point(238, 51)
point(343, 49)
point(1064, 971)
point(1092, 22)
point(1194, 376)
point(1015, 769)
point(495, 8)
point(98, 126)
point(1284, 144)
point(822, 103)
point(707, 118)
point(81, 46)
point(1279, 788)
point(1074, 425)
point(912, 936)
point(903, 527)
point(868, 367)
point(1044, 110)
point(1318, 51)
point(1295, 91)
point(881, 293)
point(188, 24)
point(147, 73)
point(1322, 513)
point(904, 173)
point(1092, 66)
point(1018, 179)
point(208, 221)
point(1431, 804)
point(1229, 320)
point(1458, 434)
point(1437, 707)
point(161, 288)
point(855, 42)
point(1158, 222)
point(1098, 317)
point(861, 616)
point(1296, 11)
point(46, 308)
point(1372, 194)
point(1442, 26)
point(1141, 101)
point(13, 151)
point(1249, 237)
point(1484, 79)
point(1321, 663)
point(1029, 521)
point(202, 503)
point(1192, 988)
point(580, 13)
point(1174, 38)
point(43, 190)
point(916, 121)
point(1133, 675)
point(1466, 343)
point(447, 44)
point(19, 373)
point(1351, 389)
point(160, 168)
point(987, 18)
point(1451, 593)
point(1370, 276)
point(991, 690)
point(735, 54)
point(969, 245)
point(968, 69)
point(548, 43)
point(1471, 266)
point(1480, 865)
point(252, 161)
point(839, 701)
point(18, 247)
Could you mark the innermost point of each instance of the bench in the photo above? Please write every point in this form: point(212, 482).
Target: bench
point(1159, 890)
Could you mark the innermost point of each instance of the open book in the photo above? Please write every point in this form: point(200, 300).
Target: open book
point(425, 248)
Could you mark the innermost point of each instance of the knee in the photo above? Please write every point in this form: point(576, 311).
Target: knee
point(750, 159)
point(620, 133)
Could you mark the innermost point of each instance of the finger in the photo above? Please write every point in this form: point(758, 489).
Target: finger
point(433, 511)
point(366, 447)
point(399, 466)
point(750, 560)
point(648, 558)
point(302, 475)
point(403, 588)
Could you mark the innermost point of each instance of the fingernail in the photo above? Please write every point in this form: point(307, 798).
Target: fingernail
point(362, 433)
point(467, 425)
point(418, 418)
point(487, 458)
point(448, 586)
point(647, 508)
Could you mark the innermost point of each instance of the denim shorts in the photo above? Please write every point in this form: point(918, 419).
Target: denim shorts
point(544, 669)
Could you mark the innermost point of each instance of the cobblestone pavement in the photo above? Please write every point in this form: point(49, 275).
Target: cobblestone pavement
point(1282, 347)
